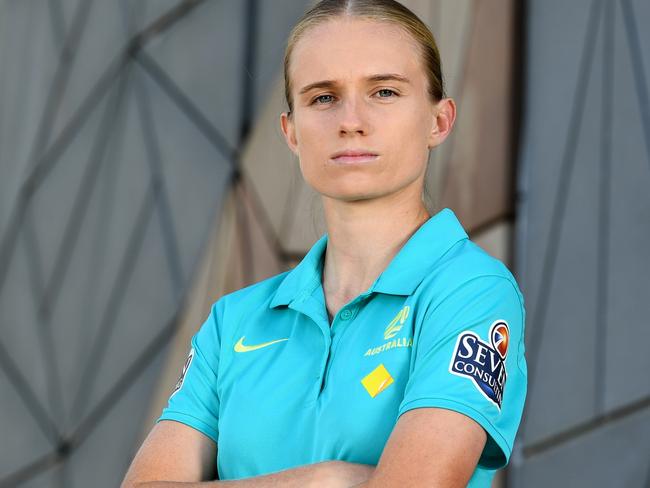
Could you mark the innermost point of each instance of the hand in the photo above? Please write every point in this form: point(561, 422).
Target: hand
point(341, 474)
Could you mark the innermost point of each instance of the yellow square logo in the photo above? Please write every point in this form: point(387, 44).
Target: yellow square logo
point(377, 380)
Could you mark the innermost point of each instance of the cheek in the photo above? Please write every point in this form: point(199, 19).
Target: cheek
point(308, 164)
point(418, 124)
point(408, 135)
point(311, 149)
point(311, 134)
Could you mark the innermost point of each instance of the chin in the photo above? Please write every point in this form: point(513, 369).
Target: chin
point(354, 195)
point(348, 188)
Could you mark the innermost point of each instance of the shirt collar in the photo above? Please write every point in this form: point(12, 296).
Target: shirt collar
point(402, 275)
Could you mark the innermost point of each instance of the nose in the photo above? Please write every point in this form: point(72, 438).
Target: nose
point(352, 119)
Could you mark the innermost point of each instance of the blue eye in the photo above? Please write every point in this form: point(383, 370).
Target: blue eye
point(326, 99)
point(386, 90)
point(318, 99)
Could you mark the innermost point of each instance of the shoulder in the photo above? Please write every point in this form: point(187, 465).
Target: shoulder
point(467, 269)
point(258, 293)
point(231, 307)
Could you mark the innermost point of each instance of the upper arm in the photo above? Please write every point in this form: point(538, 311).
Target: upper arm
point(469, 358)
point(182, 444)
point(194, 400)
point(173, 452)
point(430, 447)
point(466, 389)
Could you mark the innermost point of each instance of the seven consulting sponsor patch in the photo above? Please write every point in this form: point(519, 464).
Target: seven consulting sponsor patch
point(483, 363)
point(186, 366)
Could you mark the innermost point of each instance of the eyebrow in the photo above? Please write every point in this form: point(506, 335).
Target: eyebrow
point(372, 79)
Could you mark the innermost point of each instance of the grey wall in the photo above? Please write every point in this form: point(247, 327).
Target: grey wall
point(583, 253)
point(119, 126)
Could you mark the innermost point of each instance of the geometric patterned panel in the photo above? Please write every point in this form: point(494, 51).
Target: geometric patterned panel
point(121, 128)
point(122, 124)
point(582, 247)
point(116, 148)
point(608, 456)
point(475, 165)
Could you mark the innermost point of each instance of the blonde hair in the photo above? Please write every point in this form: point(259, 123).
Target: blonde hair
point(379, 10)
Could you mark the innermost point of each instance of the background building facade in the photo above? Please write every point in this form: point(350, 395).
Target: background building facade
point(143, 175)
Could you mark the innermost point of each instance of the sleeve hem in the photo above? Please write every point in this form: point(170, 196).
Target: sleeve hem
point(501, 442)
point(191, 421)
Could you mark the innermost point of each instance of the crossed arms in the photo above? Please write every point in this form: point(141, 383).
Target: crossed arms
point(429, 447)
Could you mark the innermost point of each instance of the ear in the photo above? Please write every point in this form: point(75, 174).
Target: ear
point(289, 131)
point(444, 115)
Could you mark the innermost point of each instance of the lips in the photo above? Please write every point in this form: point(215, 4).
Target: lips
point(354, 156)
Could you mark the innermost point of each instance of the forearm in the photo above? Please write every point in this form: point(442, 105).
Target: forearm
point(302, 476)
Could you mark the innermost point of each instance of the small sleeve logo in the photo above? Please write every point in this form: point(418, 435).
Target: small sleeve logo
point(181, 378)
point(482, 362)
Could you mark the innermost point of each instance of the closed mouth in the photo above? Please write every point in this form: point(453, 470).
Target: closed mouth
point(354, 156)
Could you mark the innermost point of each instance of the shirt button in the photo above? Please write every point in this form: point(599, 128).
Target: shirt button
point(346, 314)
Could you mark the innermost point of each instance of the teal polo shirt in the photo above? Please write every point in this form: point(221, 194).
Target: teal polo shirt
point(276, 386)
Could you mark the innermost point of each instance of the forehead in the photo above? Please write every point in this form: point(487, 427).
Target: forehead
point(345, 48)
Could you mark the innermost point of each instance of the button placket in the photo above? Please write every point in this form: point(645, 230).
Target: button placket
point(345, 314)
point(323, 367)
point(310, 307)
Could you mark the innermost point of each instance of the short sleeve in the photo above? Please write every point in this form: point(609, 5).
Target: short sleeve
point(469, 357)
point(194, 400)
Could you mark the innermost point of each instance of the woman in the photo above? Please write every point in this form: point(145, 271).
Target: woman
point(393, 354)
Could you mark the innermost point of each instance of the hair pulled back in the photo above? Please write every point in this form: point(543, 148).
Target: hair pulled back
point(378, 10)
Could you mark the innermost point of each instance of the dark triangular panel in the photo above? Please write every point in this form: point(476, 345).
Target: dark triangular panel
point(205, 33)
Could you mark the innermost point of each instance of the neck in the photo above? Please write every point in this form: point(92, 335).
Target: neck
point(363, 237)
